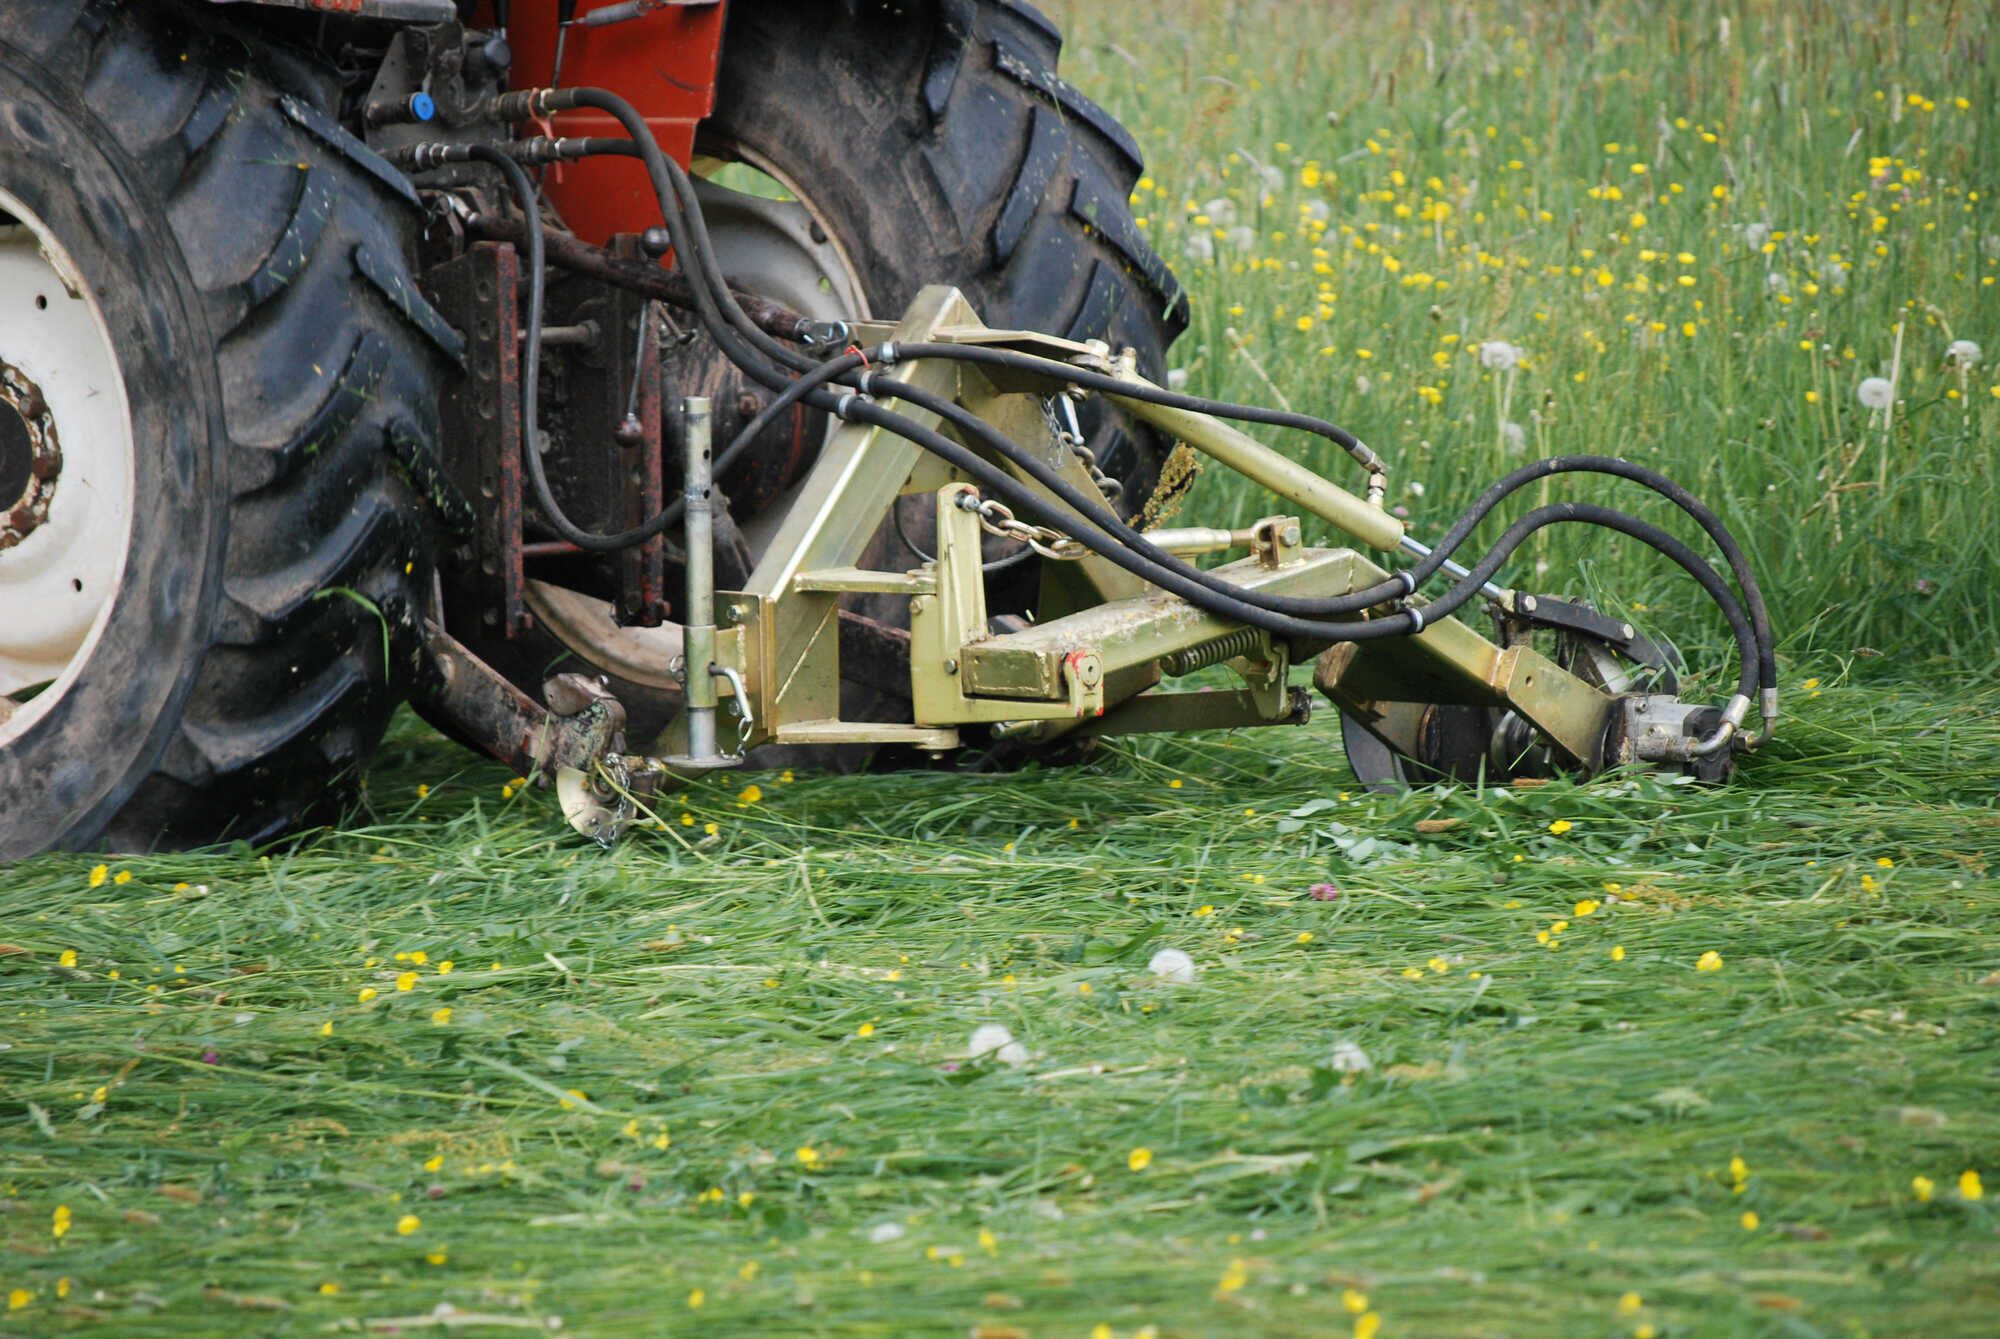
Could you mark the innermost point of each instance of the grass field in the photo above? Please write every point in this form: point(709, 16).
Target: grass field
point(1620, 1059)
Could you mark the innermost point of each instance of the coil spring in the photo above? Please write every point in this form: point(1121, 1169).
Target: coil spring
point(1226, 647)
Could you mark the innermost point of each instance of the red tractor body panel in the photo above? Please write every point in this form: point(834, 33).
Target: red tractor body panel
point(663, 62)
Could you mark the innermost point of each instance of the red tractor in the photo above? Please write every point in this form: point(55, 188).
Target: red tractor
point(361, 350)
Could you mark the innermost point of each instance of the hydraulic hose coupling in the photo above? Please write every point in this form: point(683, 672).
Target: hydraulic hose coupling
point(531, 104)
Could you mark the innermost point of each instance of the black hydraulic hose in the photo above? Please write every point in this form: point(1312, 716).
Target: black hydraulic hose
point(1110, 385)
point(1403, 623)
point(1689, 561)
point(1732, 552)
point(1432, 562)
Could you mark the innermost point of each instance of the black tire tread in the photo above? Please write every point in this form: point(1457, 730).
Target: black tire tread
point(328, 550)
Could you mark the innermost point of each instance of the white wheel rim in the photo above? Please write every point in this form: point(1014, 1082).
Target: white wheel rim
point(59, 581)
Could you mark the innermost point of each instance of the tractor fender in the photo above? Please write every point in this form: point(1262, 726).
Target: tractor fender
point(407, 11)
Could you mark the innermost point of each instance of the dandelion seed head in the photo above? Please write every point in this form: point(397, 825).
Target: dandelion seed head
point(1349, 1058)
point(1962, 353)
point(1171, 964)
point(1499, 356)
point(1874, 392)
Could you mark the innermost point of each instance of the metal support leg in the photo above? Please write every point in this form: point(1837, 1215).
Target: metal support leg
point(698, 670)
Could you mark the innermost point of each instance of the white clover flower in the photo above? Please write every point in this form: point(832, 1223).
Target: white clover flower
point(1516, 437)
point(1963, 352)
point(884, 1233)
point(1242, 237)
point(1777, 283)
point(994, 1039)
point(1170, 964)
point(1415, 487)
point(1499, 355)
point(1221, 211)
point(1199, 247)
point(1755, 235)
point(1177, 378)
point(1875, 392)
point(1349, 1058)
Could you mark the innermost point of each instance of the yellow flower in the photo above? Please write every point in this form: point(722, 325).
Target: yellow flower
point(406, 981)
point(420, 957)
point(1438, 965)
point(865, 1030)
point(407, 1224)
point(1629, 1304)
point(1233, 1278)
point(328, 1289)
point(444, 968)
point(746, 1198)
point(1560, 826)
point(1617, 953)
point(988, 1242)
point(1644, 1332)
point(441, 1016)
point(423, 792)
point(437, 1257)
point(1750, 1220)
point(579, 1094)
point(1354, 1300)
point(1175, 784)
point(1413, 973)
point(59, 1220)
point(123, 876)
point(1922, 1187)
point(708, 829)
point(1969, 1186)
point(19, 1298)
point(808, 1155)
point(750, 794)
point(1366, 1324)
point(696, 1298)
point(1584, 908)
point(1885, 862)
point(1139, 1159)
point(367, 994)
point(1710, 961)
point(435, 1161)
point(1100, 1331)
point(326, 1028)
point(98, 874)
point(1204, 911)
point(68, 958)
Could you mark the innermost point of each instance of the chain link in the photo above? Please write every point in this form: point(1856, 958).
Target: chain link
point(1066, 435)
point(996, 518)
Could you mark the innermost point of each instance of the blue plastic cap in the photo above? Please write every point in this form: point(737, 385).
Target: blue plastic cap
point(423, 106)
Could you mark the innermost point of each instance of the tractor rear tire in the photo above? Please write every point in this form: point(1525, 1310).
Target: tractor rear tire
point(243, 261)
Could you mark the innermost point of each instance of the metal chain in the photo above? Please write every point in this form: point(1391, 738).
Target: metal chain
point(1066, 434)
point(996, 518)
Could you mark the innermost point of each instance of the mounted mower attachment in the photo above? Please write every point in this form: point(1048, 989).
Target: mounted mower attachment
point(1424, 695)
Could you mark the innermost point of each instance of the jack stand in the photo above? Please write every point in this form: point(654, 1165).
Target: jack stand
point(698, 670)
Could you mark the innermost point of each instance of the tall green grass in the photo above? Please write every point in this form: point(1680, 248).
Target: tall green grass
point(1704, 225)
